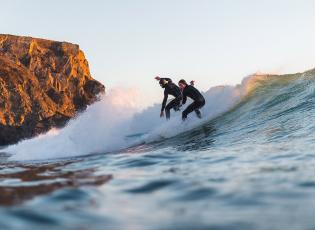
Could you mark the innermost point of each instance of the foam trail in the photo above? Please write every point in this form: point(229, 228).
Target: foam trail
point(103, 127)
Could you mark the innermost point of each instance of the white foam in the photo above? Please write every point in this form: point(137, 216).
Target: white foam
point(100, 128)
point(103, 127)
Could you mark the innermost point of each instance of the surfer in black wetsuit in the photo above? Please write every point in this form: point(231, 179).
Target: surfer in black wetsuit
point(169, 89)
point(193, 93)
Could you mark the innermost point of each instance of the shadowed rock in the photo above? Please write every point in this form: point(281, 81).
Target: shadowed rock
point(42, 85)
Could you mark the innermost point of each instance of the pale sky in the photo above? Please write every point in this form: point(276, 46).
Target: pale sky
point(128, 42)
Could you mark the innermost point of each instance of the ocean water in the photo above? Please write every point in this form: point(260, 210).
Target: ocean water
point(248, 164)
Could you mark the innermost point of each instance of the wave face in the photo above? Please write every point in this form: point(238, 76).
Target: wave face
point(248, 164)
point(107, 125)
point(114, 123)
point(279, 109)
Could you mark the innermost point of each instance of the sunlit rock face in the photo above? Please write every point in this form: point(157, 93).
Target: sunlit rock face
point(43, 84)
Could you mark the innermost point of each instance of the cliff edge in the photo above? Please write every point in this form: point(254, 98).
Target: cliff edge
point(43, 84)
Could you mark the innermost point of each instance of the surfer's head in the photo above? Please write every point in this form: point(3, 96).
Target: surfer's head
point(163, 83)
point(182, 84)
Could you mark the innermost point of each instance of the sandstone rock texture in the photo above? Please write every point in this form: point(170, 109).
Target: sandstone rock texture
point(43, 84)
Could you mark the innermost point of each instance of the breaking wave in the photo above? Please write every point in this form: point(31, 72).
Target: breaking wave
point(115, 122)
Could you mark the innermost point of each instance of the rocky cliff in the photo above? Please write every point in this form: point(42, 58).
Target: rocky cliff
point(42, 84)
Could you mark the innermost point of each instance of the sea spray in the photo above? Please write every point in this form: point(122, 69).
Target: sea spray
point(104, 126)
point(101, 127)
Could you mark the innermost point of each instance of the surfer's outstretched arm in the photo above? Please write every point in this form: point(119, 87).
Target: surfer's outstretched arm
point(163, 78)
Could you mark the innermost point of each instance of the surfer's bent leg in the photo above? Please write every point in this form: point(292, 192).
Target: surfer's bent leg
point(198, 113)
point(200, 104)
point(168, 110)
point(188, 110)
point(167, 113)
point(174, 104)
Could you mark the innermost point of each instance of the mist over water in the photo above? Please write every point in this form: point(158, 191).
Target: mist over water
point(248, 164)
point(100, 128)
point(106, 125)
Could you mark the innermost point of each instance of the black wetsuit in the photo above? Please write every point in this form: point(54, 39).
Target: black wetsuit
point(199, 101)
point(171, 89)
